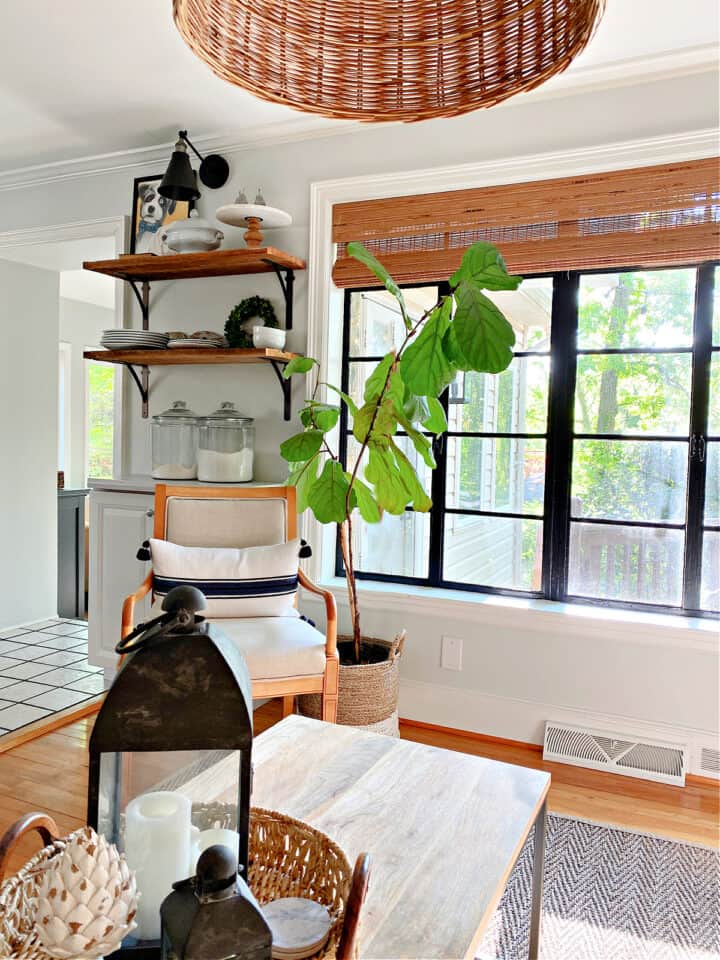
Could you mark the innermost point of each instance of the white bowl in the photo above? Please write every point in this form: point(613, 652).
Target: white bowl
point(269, 337)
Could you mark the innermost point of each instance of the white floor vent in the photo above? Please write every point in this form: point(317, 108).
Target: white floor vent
point(615, 753)
point(710, 762)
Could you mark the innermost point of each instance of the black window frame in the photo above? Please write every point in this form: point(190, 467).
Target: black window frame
point(564, 354)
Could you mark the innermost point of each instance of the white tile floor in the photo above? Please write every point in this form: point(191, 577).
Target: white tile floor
point(43, 669)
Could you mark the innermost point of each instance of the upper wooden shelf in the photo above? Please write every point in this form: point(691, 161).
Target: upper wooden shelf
point(199, 355)
point(179, 266)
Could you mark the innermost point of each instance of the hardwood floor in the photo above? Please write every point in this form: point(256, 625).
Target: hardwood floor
point(50, 774)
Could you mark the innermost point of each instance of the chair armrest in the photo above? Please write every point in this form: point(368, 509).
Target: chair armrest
point(45, 826)
point(128, 608)
point(330, 611)
point(347, 948)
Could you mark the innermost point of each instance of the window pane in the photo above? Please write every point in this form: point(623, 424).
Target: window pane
point(714, 412)
point(493, 552)
point(100, 405)
point(651, 308)
point(626, 563)
point(712, 484)
point(496, 474)
point(629, 480)
point(397, 546)
point(710, 584)
point(640, 393)
point(375, 322)
point(514, 401)
point(405, 444)
point(358, 374)
point(528, 309)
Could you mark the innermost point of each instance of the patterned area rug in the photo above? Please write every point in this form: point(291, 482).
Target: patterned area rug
point(612, 894)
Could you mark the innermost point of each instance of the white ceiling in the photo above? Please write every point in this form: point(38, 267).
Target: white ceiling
point(79, 78)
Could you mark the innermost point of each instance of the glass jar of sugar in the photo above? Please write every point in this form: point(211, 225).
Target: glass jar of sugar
point(226, 448)
point(174, 443)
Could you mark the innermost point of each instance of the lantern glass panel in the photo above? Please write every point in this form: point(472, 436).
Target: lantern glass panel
point(157, 807)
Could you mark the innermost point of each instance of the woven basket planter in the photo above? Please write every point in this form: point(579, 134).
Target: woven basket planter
point(288, 858)
point(368, 692)
point(375, 60)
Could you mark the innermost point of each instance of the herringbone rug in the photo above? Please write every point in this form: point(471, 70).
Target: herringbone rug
point(612, 895)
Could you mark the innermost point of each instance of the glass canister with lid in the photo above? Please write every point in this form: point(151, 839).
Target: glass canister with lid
point(175, 443)
point(226, 447)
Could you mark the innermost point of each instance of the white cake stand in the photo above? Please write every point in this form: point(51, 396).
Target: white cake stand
point(251, 215)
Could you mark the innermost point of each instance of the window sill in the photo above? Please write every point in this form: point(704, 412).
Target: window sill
point(576, 619)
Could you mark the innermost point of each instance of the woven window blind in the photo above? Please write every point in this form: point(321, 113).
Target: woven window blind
point(644, 217)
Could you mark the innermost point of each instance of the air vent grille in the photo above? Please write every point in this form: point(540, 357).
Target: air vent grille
point(710, 761)
point(617, 753)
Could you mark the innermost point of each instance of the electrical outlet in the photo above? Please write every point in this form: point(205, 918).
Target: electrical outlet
point(451, 653)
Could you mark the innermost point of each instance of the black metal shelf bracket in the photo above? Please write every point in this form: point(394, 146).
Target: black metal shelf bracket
point(287, 283)
point(143, 300)
point(285, 386)
point(143, 384)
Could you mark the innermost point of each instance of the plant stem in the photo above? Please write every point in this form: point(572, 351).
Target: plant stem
point(345, 531)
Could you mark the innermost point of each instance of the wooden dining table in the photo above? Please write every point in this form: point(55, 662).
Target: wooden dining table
point(443, 829)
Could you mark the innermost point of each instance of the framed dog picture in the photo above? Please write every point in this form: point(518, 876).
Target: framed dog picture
point(151, 214)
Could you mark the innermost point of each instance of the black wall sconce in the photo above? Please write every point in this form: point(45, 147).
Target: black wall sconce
point(179, 180)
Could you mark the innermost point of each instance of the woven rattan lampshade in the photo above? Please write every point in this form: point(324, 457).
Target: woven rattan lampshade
point(387, 59)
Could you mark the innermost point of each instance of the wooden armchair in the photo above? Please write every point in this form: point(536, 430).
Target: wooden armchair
point(284, 658)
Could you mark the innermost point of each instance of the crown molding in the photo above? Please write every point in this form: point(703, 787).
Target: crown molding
point(637, 70)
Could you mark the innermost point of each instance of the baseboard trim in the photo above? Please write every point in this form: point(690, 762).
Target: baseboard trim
point(470, 735)
point(32, 731)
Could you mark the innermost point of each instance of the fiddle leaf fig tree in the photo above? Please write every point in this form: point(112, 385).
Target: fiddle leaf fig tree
point(463, 331)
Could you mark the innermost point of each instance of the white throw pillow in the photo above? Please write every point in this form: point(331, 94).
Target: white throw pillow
point(248, 582)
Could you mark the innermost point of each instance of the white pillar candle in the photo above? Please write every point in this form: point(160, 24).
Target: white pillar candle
point(157, 848)
point(228, 838)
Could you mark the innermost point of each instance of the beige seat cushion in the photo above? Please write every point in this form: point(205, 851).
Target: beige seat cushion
point(275, 647)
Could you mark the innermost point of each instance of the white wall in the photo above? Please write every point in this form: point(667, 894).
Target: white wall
point(28, 443)
point(516, 668)
point(81, 326)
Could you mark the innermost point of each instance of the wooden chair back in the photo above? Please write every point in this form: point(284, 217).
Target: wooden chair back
point(347, 947)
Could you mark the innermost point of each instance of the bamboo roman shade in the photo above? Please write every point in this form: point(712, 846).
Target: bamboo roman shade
point(647, 216)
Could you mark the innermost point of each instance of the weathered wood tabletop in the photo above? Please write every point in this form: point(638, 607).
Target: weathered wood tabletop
point(444, 829)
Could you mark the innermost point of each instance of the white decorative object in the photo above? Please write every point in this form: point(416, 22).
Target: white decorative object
point(252, 216)
point(269, 337)
point(193, 235)
point(86, 899)
point(157, 847)
point(299, 927)
point(217, 467)
point(217, 835)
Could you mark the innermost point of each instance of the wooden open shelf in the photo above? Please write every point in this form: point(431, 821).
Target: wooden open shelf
point(198, 355)
point(178, 266)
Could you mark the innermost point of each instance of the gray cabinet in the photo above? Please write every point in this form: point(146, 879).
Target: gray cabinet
point(71, 553)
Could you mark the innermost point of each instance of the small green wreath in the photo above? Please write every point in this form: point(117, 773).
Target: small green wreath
point(238, 326)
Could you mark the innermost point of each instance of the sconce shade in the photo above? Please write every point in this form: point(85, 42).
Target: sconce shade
point(179, 180)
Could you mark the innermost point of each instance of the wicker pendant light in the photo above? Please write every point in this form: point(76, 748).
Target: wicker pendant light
point(387, 59)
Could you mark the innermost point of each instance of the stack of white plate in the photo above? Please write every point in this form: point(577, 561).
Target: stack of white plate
point(117, 339)
point(192, 342)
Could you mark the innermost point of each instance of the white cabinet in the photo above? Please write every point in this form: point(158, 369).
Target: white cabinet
point(119, 522)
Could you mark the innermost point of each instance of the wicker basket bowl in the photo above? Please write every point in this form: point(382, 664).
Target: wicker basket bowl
point(288, 858)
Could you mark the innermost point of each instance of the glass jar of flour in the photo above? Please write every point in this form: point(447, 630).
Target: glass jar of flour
point(174, 443)
point(226, 447)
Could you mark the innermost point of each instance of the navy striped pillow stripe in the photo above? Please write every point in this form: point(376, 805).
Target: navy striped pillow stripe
point(231, 589)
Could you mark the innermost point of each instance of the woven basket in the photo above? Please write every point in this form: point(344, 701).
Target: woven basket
point(288, 858)
point(368, 692)
point(374, 60)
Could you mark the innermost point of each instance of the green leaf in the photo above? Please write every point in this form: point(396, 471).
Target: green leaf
point(482, 263)
point(384, 422)
point(358, 251)
point(324, 416)
point(424, 367)
point(299, 365)
point(382, 472)
point(420, 500)
point(436, 421)
point(415, 408)
point(327, 496)
point(453, 351)
point(367, 505)
point(302, 476)
point(348, 401)
point(302, 446)
point(482, 332)
point(376, 381)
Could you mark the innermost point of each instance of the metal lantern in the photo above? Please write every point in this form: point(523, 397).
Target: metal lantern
point(214, 914)
point(170, 755)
